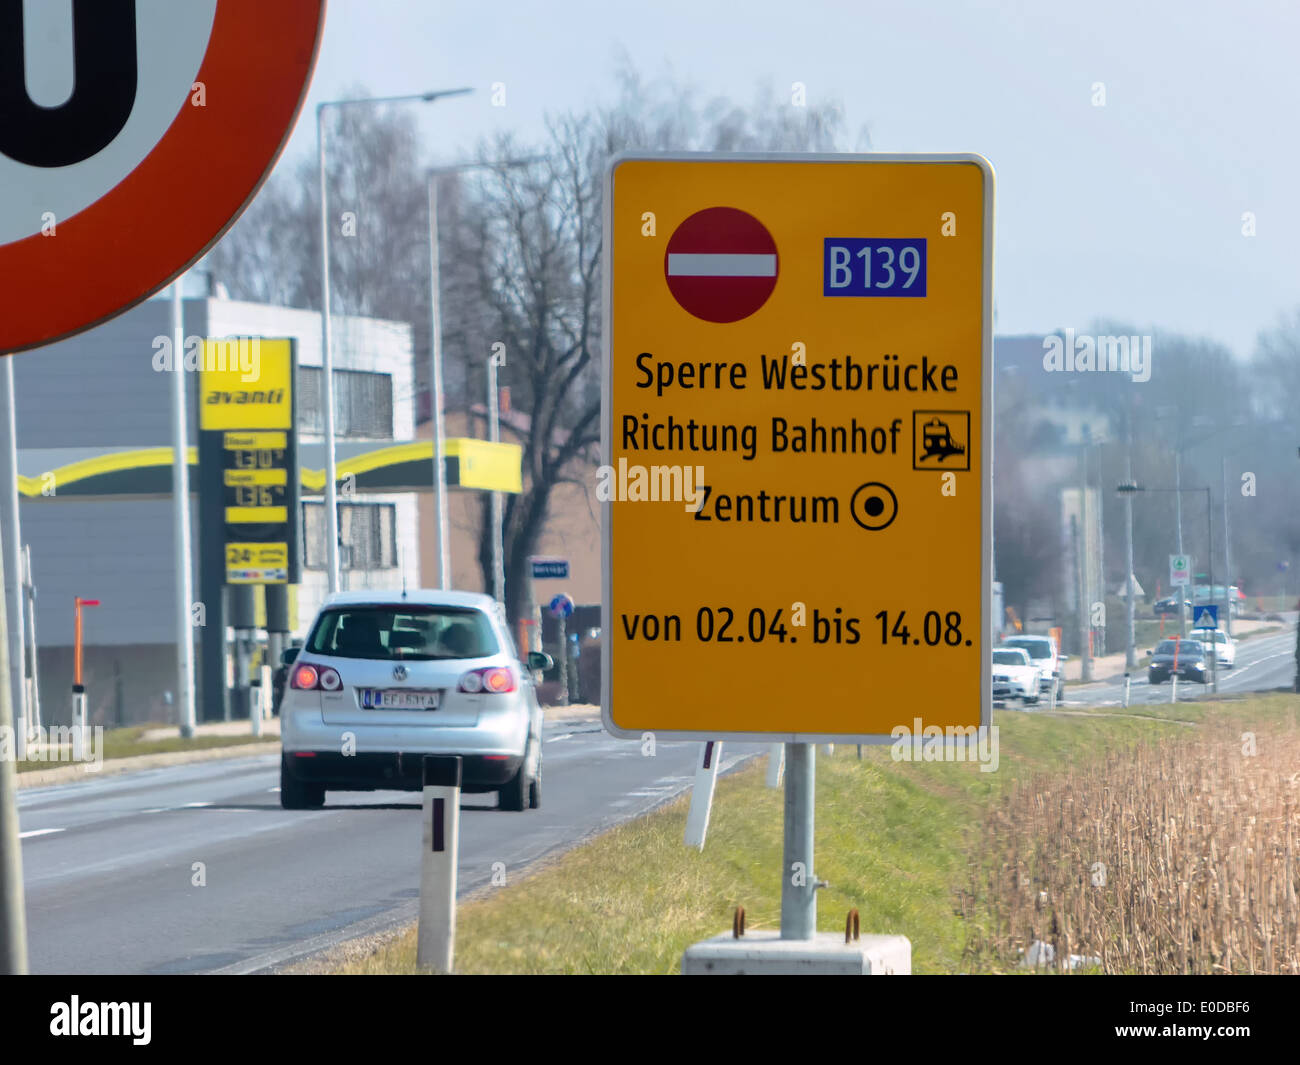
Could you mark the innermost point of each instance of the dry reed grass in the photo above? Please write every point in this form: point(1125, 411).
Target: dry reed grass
point(1177, 857)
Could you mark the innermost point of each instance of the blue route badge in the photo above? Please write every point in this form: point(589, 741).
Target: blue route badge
point(940, 440)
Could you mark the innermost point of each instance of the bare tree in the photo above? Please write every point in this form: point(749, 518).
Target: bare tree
point(535, 234)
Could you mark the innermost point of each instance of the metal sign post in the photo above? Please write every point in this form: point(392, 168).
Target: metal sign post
point(13, 920)
point(799, 886)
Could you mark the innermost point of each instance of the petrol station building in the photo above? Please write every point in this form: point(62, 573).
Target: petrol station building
point(94, 456)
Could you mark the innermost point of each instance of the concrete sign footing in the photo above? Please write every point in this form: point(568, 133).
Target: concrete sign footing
point(767, 954)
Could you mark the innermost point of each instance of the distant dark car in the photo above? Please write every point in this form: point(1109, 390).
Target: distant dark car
point(1168, 605)
point(1190, 656)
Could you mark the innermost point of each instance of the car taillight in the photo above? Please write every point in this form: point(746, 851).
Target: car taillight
point(494, 680)
point(316, 678)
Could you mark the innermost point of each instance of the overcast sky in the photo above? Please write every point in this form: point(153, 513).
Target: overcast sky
point(1130, 211)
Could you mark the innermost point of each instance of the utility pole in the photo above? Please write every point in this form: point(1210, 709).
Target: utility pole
point(1086, 665)
point(1130, 643)
point(1227, 554)
point(1085, 621)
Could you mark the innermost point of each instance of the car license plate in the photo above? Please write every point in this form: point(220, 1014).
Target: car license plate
point(404, 699)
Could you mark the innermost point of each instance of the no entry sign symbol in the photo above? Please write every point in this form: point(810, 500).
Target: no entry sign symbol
point(721, 264)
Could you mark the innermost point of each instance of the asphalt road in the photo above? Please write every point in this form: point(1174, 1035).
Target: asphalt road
point(1264, 663)
point(109, 865)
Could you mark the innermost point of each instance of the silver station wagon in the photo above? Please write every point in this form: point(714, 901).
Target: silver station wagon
point(385, 678)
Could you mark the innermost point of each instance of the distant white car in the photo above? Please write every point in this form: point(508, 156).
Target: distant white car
point(1044, 654)
point(1015, 676)
point(1225, 651)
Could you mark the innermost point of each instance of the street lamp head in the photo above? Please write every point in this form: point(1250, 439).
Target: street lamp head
point(1129, 486)
point(439, 94)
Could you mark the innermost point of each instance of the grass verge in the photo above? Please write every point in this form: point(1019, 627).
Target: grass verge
point(894, 839)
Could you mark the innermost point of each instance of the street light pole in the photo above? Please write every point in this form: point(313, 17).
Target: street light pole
point(494, 434)
point(436, 393)
point(1209, 545)
point(1227, 553)
point(327, 371)
point(1178, 503)
point(435, 389)
point(327, 348)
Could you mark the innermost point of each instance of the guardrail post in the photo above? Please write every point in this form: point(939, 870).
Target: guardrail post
point(436, 932)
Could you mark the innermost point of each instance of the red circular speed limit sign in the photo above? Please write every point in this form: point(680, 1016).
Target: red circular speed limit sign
point(131, 136)
point(721, 264)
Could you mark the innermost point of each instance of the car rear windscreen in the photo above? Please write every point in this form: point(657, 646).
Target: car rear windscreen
point(406, 633)
point(1036, 648)
point(1186, 648)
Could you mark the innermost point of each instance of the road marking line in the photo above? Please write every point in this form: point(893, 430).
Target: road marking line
point(39, 832)
point(556, 739)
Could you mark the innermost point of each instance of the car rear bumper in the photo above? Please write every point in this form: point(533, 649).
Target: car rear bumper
point(398, 771)
point(361, 756)
point(1157, 676)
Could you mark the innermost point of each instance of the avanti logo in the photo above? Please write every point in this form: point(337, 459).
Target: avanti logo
point(271, 396)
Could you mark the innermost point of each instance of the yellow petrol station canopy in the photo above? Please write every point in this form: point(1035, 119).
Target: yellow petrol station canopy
point(145, 473)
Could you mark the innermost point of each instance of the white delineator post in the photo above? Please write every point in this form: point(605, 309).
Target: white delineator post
point(436, 934)
point(78, 721)
point(776, 764)
point(706, 778)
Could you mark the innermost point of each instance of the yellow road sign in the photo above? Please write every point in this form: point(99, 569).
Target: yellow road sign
point(797, 499)
point(257, 563)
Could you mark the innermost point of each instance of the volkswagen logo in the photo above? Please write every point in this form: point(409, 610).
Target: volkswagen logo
point(399, 672)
